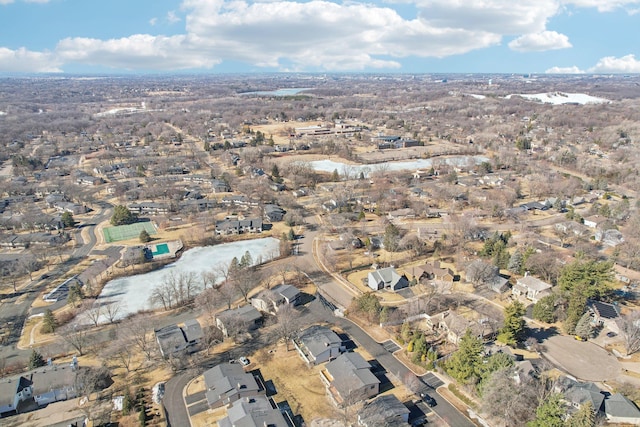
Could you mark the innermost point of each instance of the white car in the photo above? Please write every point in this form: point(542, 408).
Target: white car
point(243, 361)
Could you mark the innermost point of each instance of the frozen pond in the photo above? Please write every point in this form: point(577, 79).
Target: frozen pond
point(132, 293)
point(278, 92)
point(330, 165)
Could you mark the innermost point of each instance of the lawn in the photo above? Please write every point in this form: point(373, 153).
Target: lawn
point(126, 232)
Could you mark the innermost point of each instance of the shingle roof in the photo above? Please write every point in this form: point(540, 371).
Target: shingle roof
point(617, 405)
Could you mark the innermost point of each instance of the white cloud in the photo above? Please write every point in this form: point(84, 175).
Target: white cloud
point(602, 5)
point(153, 21)
point(25, 61)
point(506, 17)
point(539, 42)
point(172, 17)
point(611, 64)
point(140, 51)
point(564, 70)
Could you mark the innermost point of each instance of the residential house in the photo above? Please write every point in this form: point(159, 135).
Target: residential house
point(455, 326)
point(229, 226)
point(386, 411)
point(349, 379)
point(244, 318)
point(387, 278)
point(220, 186)
point(576, 393)
point(619, 409)
point(270, 300)
point(274, 213)
point(318, 344)
point(610, 237)
point(228, 382)
point(594, 221)
point(289, 293)
point(173, 338)
point(604, 314)
point(149, 208)
point(73, 208)
point(39, 387)
point(484, 274)
point(253, 411)
point(432, 271)
point(531, 288)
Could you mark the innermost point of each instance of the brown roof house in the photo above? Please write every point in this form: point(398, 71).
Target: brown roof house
point(455, 326)
point(432, 271)
point(531, 288)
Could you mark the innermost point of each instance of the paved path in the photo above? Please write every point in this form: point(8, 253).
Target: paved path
point(582, 359)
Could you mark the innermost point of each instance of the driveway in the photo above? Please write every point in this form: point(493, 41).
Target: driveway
point(582, 359)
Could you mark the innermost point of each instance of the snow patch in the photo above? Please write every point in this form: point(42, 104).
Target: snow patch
point(559, 98)
point(2, 113)
point(354, 170)
point(132, 293)
point(474, 95)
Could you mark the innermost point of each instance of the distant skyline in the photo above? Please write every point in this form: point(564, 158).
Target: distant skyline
point(378, 36)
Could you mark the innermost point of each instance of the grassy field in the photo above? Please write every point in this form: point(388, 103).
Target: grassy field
point(126, 232)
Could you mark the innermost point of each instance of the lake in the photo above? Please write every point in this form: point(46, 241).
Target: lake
point(278, 92)
point(132, 292)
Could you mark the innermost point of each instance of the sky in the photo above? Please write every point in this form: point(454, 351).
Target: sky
point(375, 36)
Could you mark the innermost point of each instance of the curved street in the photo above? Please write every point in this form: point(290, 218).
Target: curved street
point(16, 312)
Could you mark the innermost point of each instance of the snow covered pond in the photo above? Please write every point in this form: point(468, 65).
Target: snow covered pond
point(132, 293)
point(354, 170)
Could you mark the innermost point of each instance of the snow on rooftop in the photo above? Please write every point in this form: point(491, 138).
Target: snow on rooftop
point(558, 98)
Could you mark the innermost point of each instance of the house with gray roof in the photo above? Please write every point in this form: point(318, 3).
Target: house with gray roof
point(531, 288)
point(39, 387)
point(576, 393)
point(619, 409)
point(349, 379)
point(254, 411)
point(318, 344)
point(245, 317)
point(385, 411)
point(174, 338)
point(270, 300)
point(228, 382)
point(387, 278)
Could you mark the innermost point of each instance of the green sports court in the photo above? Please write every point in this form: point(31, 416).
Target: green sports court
point(126, 232)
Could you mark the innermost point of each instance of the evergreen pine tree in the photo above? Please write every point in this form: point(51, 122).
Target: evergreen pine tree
point(36, 360)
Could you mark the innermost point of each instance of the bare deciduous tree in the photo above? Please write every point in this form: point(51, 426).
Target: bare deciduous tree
point(287, 325)
point(75, 336)
point(630, 330)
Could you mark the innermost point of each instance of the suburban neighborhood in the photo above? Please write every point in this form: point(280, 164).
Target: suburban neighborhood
point(389, 251)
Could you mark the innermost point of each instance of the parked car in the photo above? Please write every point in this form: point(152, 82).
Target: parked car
point(611, 334)
point(428, 399)
point(244, 361)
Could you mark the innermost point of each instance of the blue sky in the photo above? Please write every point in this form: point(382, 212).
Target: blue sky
point(413, 36)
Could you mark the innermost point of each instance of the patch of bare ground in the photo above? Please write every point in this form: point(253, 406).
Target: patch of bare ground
point(300, 385)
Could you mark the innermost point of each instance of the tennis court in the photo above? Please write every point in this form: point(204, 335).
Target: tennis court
point(126, 232)
point(160, 249)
